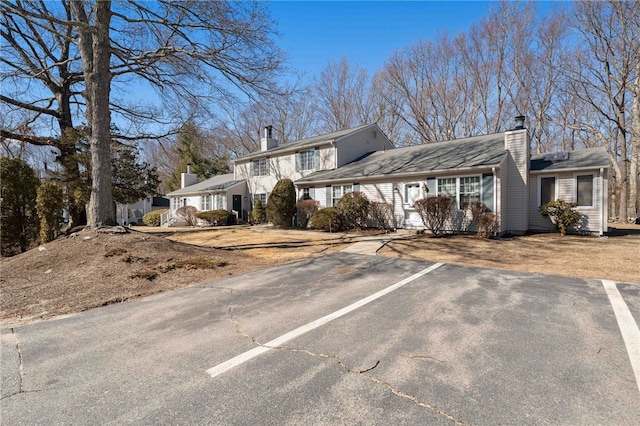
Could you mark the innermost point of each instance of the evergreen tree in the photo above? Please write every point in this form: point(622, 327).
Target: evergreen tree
point(281, 205)
point(18, 216)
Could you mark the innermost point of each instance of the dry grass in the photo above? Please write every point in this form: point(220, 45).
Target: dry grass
point(616, 257)
point(96, 269)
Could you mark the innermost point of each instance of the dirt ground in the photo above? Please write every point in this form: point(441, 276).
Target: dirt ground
point(93, 268)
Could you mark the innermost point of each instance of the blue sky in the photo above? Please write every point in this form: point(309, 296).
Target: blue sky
point(366, 32)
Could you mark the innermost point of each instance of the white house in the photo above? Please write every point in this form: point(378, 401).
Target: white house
point(497, 170)
point(218, 192)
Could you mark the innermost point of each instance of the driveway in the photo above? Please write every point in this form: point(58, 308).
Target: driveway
point(342, 339)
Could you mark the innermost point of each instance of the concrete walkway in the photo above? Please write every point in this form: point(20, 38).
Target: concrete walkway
point(371, 245)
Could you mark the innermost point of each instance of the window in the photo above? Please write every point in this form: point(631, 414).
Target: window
point(547, 190)
point(306, 194)
point(205, 202)
point(412, 193)
point(338, 191)
point(306, 160)
point(260, 167)
point(584, 189)
point(218, 202)
point(262, 197)
point(447, 188)
point(469, 191)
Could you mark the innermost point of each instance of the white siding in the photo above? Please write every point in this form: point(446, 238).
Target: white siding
point(566, 190)
point(517, 181)
point(361, 143)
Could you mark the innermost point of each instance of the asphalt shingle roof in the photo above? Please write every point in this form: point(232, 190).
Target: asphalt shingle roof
point(215, 183)
point(580, 159)
point(306, 143)
point(468, 153)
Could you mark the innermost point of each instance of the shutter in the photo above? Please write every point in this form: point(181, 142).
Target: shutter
point(267, 166)
point(487, 191)
point(316, 159)
point(432, 188)
point(328, 196)
point(297, 154)
point(252, 167)
point(312, 193)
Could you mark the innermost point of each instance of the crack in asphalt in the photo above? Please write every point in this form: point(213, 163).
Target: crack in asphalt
point(362, 372)
point(20, 366)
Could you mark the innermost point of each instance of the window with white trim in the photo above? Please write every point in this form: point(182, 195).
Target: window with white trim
point(547, 190)
point(306, 160)
point(584, 190)
point(338, 191)
point(447, 187)
point(218, 202)
point(262, 197)
point(469, 191)
point(260, 167)
point(205, 202)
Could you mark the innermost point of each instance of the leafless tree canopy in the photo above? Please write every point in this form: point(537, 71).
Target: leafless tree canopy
point(574, 73)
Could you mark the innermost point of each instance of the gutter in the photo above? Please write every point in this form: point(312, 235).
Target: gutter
point(396, 175)
point(568, 170)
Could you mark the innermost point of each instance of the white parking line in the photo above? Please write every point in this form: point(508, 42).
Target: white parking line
point(628, 326)
point(242, 358)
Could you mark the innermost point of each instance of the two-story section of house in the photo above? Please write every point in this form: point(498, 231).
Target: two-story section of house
point(296, 160)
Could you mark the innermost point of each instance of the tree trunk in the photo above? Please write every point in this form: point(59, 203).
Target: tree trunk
point(95, 50)
point(634, 172)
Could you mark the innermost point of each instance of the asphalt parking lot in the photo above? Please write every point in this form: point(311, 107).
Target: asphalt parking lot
point(342, 339)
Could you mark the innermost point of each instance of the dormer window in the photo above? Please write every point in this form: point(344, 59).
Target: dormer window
point(307, 160)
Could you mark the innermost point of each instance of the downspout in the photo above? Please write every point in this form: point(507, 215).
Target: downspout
point(601, 184)
point(495, 193)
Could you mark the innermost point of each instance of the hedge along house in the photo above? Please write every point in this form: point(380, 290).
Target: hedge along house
point(220, 192)
point(296, 160)
point(495, 169)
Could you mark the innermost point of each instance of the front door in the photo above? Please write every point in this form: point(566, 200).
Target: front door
point(237, 204)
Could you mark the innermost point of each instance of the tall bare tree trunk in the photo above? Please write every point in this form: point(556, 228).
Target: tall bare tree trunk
point(634, 172)
point(95, 50)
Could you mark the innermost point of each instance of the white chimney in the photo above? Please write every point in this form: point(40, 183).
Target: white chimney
point(267, 141)
point(188, 178)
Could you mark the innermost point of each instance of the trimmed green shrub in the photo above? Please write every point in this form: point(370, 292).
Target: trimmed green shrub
point(258, 214)
point(353, 208)
point(153, 218)
point(305, 210)
point(561, 214)
point(216, 217)
point(326, 219)
point(434, 212)
point(18, 215)
point(49, 202)
point(281, 205)
point(381, 214)
point(188, 213)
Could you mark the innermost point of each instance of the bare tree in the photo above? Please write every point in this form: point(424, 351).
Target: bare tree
point(191, 53)
point(341, 91)
point(604, 80)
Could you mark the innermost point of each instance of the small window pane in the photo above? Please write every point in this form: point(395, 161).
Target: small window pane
point(547, 190)
point(585, 190)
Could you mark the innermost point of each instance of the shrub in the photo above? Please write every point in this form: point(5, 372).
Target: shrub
point(153, 218)
point(305, 210)
point(353, 209)
point(434, 212)
point(281, 205)
point(487, 224)
point(326, 219)
point(216, 217)
point(18, 215)
point(258, 214)
point(561, 214)
point(49, 202)
point(381, 214)
point(188, 213)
